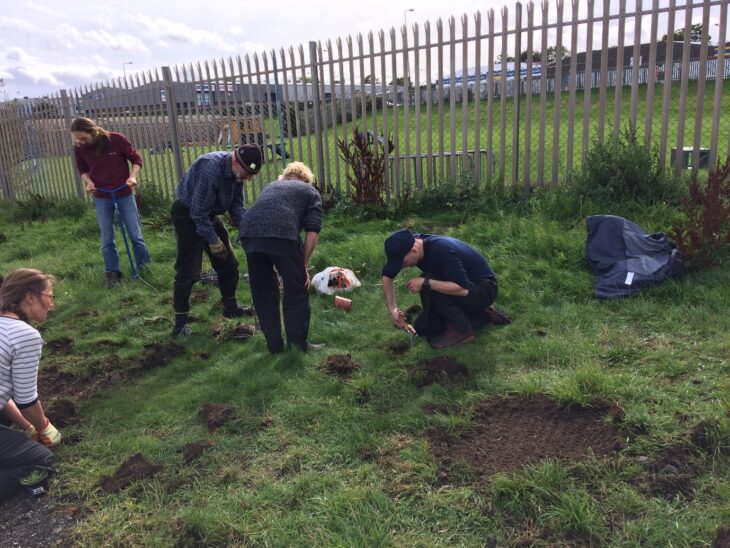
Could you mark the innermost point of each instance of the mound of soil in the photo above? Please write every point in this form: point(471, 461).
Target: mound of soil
point(243, 331)
point(438, 369)
point(509, 433)
point(193, 451)
point(62, 412)
point(398, 347)
point(157, 355)
point(722, 538)
point(216, 414)
point(702, 436)
point(63, 345)
point(340, 364)
point(671, 474)
point(412, 312)
point(199, 296)
point(134, 468)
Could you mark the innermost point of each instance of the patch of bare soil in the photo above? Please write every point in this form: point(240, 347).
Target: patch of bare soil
point(398, 347)
point(193, 451)
point(158, 354)
point(341, 365)
point(722, 538)
point(199, 296)
point(134, 468)
point(42, 521)
point(216, 414)
point(412, 312)
point(702, 437)
point(671, 474)
point(62, 412)
point(63, 345)
point(509, 433)
point(439, 369)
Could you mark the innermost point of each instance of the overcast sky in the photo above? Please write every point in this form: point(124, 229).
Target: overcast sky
point(57, 44)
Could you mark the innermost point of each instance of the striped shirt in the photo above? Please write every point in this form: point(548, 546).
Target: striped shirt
point(20, 352)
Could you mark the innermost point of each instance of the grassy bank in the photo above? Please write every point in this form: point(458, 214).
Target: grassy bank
point(311, 458)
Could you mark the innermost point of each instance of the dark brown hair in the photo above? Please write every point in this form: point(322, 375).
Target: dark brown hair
point(17, 285)
point(98, 134)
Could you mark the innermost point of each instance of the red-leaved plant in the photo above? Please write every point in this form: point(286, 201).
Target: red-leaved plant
point(365, 155)
point(706, 228)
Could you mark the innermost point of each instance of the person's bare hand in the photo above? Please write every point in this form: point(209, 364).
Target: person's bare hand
point(90, 187)
point(414, 285)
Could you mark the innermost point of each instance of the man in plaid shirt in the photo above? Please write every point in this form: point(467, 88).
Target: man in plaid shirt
point(212, 186)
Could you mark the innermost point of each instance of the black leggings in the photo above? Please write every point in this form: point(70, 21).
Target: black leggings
point(19, 456)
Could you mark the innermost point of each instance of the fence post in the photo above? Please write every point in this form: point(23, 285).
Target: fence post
point(317, 114)
point(66, 105)
point(171, 101)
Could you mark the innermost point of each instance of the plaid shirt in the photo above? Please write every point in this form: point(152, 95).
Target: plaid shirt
point(209, 188)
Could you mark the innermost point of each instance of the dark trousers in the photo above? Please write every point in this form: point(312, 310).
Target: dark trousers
point(265, 296)
point(462, 313)
point(19, 456)
point(189, 259)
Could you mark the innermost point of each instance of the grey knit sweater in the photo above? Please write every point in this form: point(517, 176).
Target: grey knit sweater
point(283, 210)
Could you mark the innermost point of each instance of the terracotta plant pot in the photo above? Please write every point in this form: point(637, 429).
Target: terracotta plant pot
point(342, 303)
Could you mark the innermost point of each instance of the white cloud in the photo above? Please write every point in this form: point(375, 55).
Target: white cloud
point(120, 41)
point(166, 31)
point(17, 24)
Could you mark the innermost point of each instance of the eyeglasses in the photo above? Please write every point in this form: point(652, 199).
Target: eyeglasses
point(49, 295)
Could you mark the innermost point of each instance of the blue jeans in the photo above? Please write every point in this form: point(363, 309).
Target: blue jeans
point(130, 217)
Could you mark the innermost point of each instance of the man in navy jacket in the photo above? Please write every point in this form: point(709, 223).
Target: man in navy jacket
point(457, 286)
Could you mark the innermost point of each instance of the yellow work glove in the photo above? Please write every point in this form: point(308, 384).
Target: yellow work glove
point(30, 431)
point(219, 249)
point(49, 436)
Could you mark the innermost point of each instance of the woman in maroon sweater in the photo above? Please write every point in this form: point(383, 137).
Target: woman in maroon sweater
point(103, 158)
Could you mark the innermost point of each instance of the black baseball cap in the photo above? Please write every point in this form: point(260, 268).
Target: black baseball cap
point(397, 246)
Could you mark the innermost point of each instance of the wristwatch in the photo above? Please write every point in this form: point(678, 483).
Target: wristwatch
point(426, 283)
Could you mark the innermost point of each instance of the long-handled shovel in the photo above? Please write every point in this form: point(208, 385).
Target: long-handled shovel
point(133, 267)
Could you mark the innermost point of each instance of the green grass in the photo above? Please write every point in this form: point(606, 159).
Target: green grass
point(292, 468)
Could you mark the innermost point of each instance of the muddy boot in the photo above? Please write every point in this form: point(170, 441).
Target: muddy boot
point(237, 311)
point(182, 327)
point(452, 337)
point(182, 331)
point(495, 316)
point(113, 277)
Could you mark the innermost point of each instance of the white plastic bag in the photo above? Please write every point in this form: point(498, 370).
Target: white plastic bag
point(333, 279)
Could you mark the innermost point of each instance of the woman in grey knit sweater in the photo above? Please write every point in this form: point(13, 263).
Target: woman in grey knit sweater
point(270, 235)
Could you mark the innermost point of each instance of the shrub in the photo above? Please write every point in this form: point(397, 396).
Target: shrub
point(151, 200)
point(624, 169)
point(706, 228)
point(39, 208)
point(366, 157)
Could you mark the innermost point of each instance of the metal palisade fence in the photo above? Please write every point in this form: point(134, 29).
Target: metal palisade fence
point(514, 100)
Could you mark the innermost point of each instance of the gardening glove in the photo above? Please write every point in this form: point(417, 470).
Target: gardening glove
point(49, 436)
point(30, 432)
point(219, 249)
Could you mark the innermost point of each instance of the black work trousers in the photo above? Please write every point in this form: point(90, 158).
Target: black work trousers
point(19, 456)
point(462, 313)
point(189, 261)
point(265, 295)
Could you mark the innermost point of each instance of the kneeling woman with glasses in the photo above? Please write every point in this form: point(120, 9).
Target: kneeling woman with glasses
point(26, 296)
